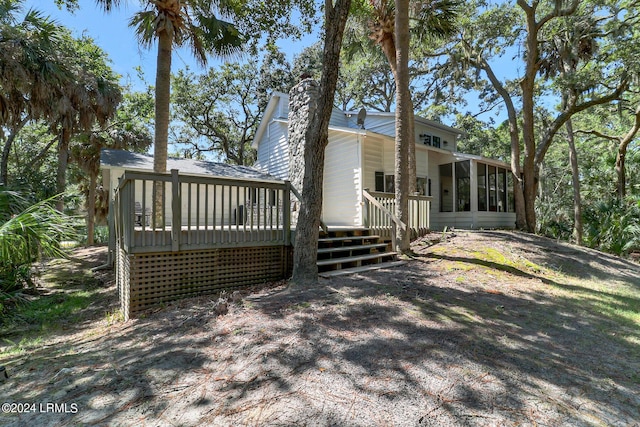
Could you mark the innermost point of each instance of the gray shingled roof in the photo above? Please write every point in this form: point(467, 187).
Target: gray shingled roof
point(142, 162)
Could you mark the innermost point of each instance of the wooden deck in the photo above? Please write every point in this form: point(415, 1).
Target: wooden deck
point(180, 235)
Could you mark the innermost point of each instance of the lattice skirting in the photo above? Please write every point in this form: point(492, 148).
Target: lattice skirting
point(146, 280)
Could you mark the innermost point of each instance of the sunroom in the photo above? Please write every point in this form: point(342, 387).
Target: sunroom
point(474, 192)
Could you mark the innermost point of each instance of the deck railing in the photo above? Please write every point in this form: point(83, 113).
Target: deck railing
point(171, 212)
point(380, 214)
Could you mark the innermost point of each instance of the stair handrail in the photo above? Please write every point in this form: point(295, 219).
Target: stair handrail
point(295, 193)
point(388, 213)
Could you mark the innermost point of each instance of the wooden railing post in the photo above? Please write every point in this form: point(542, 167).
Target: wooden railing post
point(365, 211)
point(176, 208)
point(286, 213)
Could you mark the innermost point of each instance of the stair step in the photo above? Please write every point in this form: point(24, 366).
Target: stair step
point(364, 268)
point(351, 248)
point(348, 238)
point(355, 258)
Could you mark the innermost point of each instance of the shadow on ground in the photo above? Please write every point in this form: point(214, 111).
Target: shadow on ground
point(446, 340)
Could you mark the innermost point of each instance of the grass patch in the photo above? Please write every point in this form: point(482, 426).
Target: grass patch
point(47, 311)
point(28, 323)
point(16, 348)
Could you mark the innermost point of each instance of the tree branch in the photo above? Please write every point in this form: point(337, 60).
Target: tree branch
point(570, 111)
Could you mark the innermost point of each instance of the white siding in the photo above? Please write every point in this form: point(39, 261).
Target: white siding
point(449, 137)
point(273, 151)
point(422, 162)
point(472, 220)
point(373, 160)
point(342, 181)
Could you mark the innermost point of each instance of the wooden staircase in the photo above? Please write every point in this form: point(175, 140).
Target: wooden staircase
point(353, 250)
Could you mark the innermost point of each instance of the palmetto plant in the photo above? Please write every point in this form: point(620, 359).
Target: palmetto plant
point(613, 226)
point(27, 233)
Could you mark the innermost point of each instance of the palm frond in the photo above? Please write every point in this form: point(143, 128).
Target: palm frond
point(37, 231)
point(436, 19)
point(144, 24)
point(109, 5)
point(8, 10)
point(215, 35)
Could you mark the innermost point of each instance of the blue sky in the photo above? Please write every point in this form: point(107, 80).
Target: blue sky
point(112, 33)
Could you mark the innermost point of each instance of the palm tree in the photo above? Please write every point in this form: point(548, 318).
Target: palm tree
point(30, 71)
point(391, 27)
point(93, 95)
point(179, 22)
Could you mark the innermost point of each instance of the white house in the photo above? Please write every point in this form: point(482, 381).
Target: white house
point(466, 191)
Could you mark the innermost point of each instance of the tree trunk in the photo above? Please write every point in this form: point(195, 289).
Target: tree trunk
point(403, 124)
point(388, 45)
point(4, 161)
point(91, 209)
point(63, 162)
point(527, 85)
point(305, 269)
point(575, 177)
point(161, 137)
point(621, 186)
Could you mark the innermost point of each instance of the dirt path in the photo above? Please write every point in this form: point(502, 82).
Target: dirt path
point(482, 329)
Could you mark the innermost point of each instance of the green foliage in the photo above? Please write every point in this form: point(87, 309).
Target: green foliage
point(28, 233)
point(219, 110)
point(613, 226)
point(100, 235)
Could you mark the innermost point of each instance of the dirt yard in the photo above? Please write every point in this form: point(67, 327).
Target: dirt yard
point(480, 329)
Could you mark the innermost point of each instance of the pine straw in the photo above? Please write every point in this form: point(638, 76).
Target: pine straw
point(482, 329)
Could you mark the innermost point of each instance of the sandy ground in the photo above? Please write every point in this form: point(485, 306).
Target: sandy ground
point(481, 329)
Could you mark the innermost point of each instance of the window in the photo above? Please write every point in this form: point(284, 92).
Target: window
point(502, 190)
point(384, 183)
point(463, 186)
point(493, 202)
point(436, 141)
point(380, 181)
point(446, 188)
point(425, 138)
point(482, 187)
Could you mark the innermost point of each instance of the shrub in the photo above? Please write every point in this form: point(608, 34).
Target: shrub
point(613, 226)
point(27, 233)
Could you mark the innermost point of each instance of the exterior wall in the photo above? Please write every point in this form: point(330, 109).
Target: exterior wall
point(373, 159)
point(342, 199)
point(472, 220)
point(422, 162)
point(447, 139)
point(273, 151)
point(436, 159)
